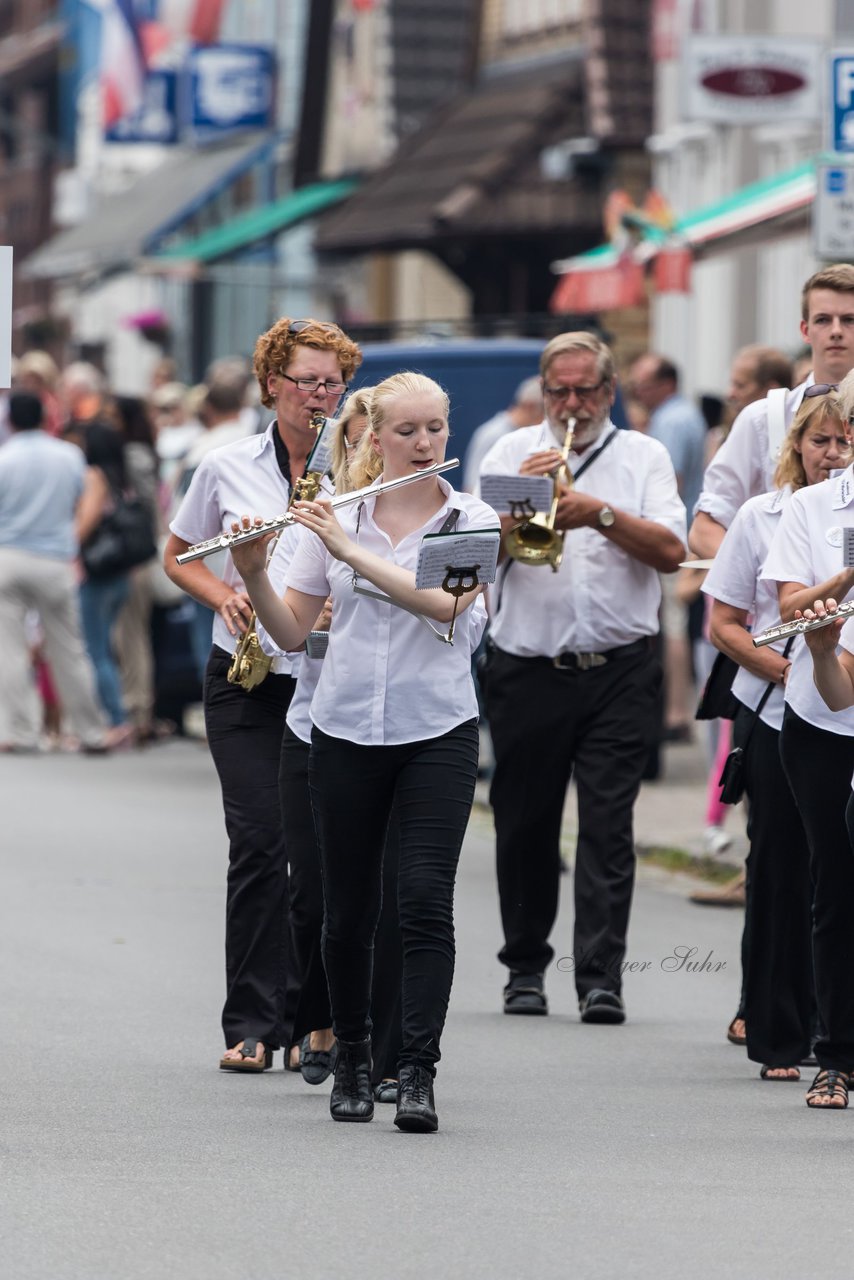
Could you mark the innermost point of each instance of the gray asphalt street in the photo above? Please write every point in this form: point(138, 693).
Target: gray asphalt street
point(651, 1150)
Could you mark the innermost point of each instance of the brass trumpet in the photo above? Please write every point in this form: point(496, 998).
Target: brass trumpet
point(250, 665)
point(535, 541)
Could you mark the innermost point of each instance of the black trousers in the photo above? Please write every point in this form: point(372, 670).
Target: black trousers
point(245, 737)
point(354, 788)
point(547, 724)
point(818, 765)
point(306, 897)
point(777, 959)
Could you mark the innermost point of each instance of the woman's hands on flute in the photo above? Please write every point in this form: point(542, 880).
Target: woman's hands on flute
point(250, 558)
point(822, 640)
point(320, 519)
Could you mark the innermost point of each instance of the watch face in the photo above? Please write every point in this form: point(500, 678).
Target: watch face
point(606, 517)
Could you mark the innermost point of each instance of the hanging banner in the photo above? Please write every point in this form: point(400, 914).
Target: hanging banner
point(602, 289)
point(671, 270)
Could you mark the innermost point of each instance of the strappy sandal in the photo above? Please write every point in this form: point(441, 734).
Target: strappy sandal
point(248, 1060)
point(828, 1084)
point(734, 1036)
point(765, 1074)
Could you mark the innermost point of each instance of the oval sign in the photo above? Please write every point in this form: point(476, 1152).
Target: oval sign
point(753, 82)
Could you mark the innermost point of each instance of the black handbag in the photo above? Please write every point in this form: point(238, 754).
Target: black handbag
point(123, 539)
point(717, 701)
point(731, 781)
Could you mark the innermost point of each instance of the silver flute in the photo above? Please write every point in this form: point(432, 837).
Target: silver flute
point(225, 541)
point(800, 625)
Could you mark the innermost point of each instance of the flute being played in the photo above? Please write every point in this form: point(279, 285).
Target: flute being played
point(799, 625)
point(227, 540)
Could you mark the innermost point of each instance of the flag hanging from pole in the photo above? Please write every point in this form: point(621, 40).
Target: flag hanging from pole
point(122, 61)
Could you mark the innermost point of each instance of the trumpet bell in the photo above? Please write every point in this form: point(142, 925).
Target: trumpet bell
point(535, 544)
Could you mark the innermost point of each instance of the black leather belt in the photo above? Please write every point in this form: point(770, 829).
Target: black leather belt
point(571, 661)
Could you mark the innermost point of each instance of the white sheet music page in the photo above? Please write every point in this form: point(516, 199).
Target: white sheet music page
point(320, 458)
point(517, 495)
point(472, 552)
point(847, 548)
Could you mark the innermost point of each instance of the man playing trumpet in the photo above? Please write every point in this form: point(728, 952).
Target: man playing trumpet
point(572, 679)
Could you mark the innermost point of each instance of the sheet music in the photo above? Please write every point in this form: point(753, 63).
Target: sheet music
point(320, 458)
point(316, 644)
point(847, 547)
point(440, 553)
point(527, 494)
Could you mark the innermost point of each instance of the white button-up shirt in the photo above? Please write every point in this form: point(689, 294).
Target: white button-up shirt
point(386, 678)
point(743, 467)
point(601, 597)
point(735, 579)
point(239, 479)
point(807, 548)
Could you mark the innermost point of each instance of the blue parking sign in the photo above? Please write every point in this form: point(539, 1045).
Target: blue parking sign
point(841, 113)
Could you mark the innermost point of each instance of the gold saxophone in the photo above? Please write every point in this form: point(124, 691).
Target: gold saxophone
point(250, 665)
point(535, 541)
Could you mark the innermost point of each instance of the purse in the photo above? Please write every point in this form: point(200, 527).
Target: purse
point(717, 701)
point(732, 780)
point(123, 539)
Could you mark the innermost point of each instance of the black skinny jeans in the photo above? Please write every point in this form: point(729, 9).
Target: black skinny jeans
point(818, 765)
point(777, 955)
point(353, 791)
point(244, 732)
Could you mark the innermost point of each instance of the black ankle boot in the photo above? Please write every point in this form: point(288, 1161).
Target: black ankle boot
point(416, 1110)
point(352, 1097)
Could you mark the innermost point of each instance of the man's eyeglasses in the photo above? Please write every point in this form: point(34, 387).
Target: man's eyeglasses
point(583, 393)
point(820, 389)
point(314, 384)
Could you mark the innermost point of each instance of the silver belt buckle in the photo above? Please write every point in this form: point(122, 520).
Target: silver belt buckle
point(587, 660)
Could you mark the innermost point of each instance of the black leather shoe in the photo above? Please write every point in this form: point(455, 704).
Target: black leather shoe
point(602, 1006)
point(525, 993)
point(416, 1110)
point(352, 1097)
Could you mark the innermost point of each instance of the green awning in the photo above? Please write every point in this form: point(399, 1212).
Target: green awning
point(261, 222)
point(759, 207)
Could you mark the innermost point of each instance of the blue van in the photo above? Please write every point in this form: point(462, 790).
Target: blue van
point(480, 376)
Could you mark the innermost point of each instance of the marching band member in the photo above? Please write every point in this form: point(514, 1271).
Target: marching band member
point(572, 681)
point(776, 945)
point(395, 724)
point(302, 366)
point(817, 751)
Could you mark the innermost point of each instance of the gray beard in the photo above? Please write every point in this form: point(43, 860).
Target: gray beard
point(586, 433)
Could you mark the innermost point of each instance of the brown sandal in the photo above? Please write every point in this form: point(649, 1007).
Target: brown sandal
point(734, 1036)
point(829, 1084)
point(248, 1060)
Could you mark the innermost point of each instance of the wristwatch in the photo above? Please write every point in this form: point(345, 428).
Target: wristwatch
point(606, 517)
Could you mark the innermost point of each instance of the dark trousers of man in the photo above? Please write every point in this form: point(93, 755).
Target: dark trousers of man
point(245, 737)
point(778, 981)
point(354, 788)
point(818, 765)
point(548, 723)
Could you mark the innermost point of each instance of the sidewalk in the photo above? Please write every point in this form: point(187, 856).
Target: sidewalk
point(670, 813)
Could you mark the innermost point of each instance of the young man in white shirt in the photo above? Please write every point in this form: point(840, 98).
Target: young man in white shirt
point(572, 680)
point(745, 463)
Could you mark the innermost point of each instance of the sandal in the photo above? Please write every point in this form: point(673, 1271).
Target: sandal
point(248, 1060)
point(316, 1065)
point(829, 1084)
point(732, 1032)
point(765, 1074)
point(293, 1066)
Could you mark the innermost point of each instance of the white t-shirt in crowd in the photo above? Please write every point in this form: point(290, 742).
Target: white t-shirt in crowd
point(735, 579)
point(743, 466)
point(807, 548)
point(386, 679)
point(601, 597)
